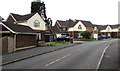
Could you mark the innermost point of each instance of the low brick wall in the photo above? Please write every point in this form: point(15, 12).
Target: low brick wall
point(7, 45)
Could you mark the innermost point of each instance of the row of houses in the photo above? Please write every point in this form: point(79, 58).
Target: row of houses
point(25, 31)
point(75, 27)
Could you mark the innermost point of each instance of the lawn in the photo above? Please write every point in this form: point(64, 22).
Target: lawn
point(53, 44)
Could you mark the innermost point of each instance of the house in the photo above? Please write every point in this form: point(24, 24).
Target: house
point(115, 30)
point(109, 30)
point(32, 20)
point(56, 31)
point(75, 27)
point(49, 36)
point(17, 37)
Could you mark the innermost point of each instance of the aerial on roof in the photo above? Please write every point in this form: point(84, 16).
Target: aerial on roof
point(18, 17)
point(19, 28)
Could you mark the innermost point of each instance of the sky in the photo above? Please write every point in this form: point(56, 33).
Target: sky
point(101, 12)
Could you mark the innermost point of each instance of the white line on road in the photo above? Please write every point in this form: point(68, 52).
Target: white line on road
point(57, 60)
point(101, 58)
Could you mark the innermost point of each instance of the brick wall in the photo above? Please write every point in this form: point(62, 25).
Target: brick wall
point(42, 35)
point(7, 45)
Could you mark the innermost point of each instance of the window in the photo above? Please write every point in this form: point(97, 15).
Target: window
point(36, 23)
point(39, 36)
point(95, 28)
point(79, 35)
point(63, 28)
point(108, 29)
point(79, 27)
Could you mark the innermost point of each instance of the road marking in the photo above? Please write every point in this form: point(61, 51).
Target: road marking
point(57, 60)
point(101, 58)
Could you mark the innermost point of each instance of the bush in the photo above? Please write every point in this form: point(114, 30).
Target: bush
point(86, 34)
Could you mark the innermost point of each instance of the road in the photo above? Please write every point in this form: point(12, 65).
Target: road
point(83, 56)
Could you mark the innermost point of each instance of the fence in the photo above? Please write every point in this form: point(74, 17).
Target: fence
point(7, 44)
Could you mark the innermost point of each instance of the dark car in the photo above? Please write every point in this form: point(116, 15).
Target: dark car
point(63, 38)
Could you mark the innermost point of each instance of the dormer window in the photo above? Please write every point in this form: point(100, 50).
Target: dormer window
point(64, 28)
point(36, 23)
point(79, 27)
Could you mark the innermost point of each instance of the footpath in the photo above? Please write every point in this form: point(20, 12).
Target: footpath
point(28, 53)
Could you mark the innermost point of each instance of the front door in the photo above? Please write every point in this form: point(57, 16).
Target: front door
point(47, 38)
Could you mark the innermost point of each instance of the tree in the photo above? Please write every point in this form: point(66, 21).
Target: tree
point(86, 34)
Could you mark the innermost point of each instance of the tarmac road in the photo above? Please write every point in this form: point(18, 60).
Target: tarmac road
point(83, 56)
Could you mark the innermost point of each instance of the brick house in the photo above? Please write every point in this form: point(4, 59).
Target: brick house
point(17, 37)
point(32, 20)
point(109, 30)
point(75, 27)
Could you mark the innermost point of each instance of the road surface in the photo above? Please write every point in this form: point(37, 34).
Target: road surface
point(83, 56)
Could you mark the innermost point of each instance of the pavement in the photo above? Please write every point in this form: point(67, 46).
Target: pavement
point(32, 52)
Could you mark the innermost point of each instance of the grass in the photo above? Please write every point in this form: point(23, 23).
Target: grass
point(53, 44)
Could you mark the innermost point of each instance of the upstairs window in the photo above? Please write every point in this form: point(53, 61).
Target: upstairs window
point(36, 23)
point(79, 27)
point(65, 28)
point(108, 29)
point(95, 28)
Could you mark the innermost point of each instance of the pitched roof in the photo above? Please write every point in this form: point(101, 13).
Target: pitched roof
point(102, 27)
point(18, 17)
point(115, 26)
point(68, 23)
point(19, 28)
point(87, 24)
point(55, 29)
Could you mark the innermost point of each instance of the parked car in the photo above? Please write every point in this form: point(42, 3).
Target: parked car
point(63, 38)
point(104, 37)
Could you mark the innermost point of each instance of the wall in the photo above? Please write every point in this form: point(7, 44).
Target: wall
point(75, 28)
point(30, 22)
point(107, 29)
point(7, 45)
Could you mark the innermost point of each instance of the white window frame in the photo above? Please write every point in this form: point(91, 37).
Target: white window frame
point(36, 23)
point(39, 36)
point(79, 27)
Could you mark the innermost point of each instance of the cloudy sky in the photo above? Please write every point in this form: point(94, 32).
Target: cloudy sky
point(97, 11)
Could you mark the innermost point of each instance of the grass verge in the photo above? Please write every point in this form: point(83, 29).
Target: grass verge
point(53, 44)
